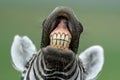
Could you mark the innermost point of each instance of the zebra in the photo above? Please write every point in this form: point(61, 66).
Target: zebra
point(57, 59)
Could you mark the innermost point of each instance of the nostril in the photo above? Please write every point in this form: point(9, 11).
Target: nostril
point(57, 22)
point(59, 19)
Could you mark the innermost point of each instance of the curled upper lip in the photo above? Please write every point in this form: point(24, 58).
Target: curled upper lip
point(60, 11)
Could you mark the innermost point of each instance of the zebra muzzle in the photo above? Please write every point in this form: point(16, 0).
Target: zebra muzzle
point(59, 40)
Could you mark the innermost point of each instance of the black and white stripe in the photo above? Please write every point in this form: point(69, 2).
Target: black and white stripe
point(40, 69)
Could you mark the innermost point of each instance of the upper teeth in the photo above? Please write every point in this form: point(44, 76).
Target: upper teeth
point(60, 40)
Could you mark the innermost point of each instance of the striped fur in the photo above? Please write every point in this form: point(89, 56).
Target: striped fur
point(55, 66)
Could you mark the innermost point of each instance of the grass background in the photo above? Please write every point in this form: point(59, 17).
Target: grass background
point(100, 18)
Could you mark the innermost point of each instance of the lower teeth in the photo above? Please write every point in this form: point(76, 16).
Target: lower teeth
point(60, 40)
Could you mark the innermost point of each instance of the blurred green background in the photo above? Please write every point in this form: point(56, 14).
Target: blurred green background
point(100, 18)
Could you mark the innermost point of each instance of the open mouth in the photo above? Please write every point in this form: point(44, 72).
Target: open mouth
point(60, 37)
point(61, 29)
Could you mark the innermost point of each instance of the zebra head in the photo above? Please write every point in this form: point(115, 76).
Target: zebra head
point(57, 58)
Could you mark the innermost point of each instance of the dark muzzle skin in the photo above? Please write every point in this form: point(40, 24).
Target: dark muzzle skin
point(57, 59)
point(57, 64)
point(74, 26)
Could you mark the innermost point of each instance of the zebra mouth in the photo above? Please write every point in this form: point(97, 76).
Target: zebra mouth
point(60, 37)
point(61, 29)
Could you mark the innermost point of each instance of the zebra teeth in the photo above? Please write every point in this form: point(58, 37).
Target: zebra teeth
point(66, 44)
point(62, 40)
point(54, 39)
point(59, 40)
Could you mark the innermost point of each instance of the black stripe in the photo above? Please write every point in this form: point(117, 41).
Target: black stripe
point(69, 66)
point(28, 73)
point(37, 66)
point(63, 75)
point(77, 76)
point(82, 70)
point(45, 71)
point(73, 70)
point(72, 66)
point(36, 77)
point(29, 68)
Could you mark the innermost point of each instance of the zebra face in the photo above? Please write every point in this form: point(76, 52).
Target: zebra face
point(57, 59)
point(61, 29)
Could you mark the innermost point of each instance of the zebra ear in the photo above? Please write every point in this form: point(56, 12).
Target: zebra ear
point(93, 60)
point(22, 50)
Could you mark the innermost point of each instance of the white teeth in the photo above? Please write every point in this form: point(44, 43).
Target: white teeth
point(62, 36)
point(66, 43)
point(54, 39)
point(68, 40)
point(60, 40)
